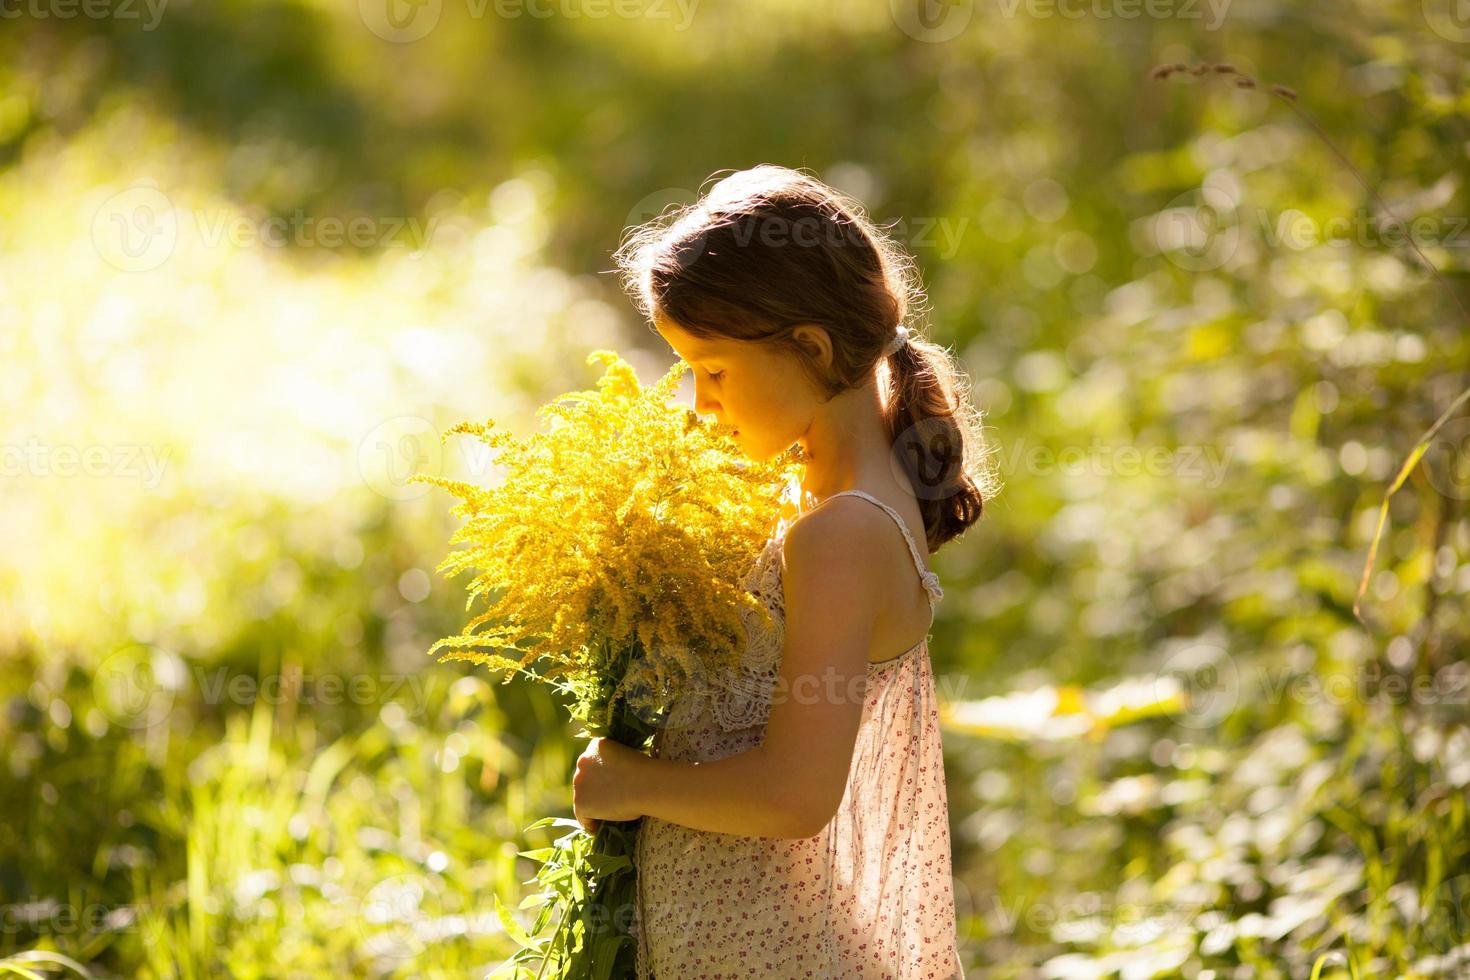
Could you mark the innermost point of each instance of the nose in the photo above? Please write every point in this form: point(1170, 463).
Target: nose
point(703, 403)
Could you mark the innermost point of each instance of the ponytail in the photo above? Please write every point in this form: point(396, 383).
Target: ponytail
point(937, 438)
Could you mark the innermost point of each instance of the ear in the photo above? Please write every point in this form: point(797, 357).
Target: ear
point(816, 342)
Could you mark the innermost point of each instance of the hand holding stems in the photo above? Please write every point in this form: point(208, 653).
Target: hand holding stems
point(604, 786)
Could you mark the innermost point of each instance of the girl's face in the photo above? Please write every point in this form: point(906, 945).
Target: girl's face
point(763, 394)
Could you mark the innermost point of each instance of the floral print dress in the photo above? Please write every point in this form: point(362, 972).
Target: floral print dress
point(870, 896)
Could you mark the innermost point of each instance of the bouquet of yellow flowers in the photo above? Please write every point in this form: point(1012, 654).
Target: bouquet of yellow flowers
point(612, 557)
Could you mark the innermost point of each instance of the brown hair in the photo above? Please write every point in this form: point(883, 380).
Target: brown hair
point(770, 248)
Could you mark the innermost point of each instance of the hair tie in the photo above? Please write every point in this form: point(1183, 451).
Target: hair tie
point(899, 339)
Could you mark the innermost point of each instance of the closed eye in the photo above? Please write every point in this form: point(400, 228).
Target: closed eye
point(716, 377)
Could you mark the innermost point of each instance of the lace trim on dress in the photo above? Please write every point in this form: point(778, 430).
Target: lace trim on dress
point(743, 696)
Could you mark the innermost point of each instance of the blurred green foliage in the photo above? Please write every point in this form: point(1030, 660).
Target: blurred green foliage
point(213, 385)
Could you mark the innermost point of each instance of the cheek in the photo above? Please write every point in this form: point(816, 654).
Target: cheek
point(778, 402)
point(780, 413)
point(790, 395)
point(745, 402)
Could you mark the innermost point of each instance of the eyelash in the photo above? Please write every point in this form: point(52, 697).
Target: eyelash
point(716, 377)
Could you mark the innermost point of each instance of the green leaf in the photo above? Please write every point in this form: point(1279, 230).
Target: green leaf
point(606, 864)
point(556, 822)
point(511, 926)
point(606, 953)
point(9, 967)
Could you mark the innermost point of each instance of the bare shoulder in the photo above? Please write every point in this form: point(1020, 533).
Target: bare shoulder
point(833, 589)
point(841, 538)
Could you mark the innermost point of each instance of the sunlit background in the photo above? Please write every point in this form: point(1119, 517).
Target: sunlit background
point(256, 254)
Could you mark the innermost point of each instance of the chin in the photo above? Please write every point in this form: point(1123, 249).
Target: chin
point(757, 453)
point(761, 451)
point(743, 443)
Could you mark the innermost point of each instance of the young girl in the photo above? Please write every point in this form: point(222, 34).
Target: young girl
point(795, 816)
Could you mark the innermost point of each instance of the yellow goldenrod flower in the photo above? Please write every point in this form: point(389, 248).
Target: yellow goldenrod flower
point(621, 537)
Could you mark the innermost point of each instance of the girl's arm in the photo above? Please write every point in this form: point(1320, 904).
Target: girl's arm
point(791, 784)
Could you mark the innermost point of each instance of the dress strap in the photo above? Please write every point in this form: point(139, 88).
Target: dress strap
point(931, 581)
